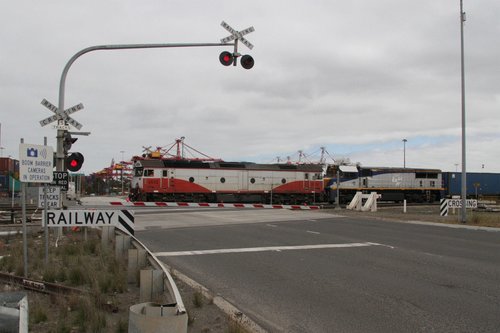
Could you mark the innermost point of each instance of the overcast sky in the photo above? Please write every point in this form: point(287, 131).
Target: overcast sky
point(353, 76)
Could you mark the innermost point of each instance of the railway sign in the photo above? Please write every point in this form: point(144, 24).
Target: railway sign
point(457, 203)
point(62, 117)
point(35, 163)
point(123, 219)
point(237, 35)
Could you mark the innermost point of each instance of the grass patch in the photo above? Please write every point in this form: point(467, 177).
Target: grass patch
point(78, 263)
point(37, 313)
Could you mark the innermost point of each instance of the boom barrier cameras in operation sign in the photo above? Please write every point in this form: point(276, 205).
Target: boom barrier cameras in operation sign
point(35, 163)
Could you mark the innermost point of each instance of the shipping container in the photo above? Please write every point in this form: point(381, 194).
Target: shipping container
point(14, 184)
point(4, 183)
point(480, 184)
point(7, 183)
point(8, 165)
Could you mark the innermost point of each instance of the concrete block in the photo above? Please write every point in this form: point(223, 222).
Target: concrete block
point(136, 261)
point(122, 244)
point(151, 285)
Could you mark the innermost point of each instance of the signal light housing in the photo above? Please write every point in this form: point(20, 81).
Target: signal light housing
point(74, 162)
point(226, 58)
point(247, 61)
point(68, 142)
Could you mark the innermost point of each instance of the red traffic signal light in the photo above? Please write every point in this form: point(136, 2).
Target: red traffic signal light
point(247, 61)
point(74, 162)
point(226, 58)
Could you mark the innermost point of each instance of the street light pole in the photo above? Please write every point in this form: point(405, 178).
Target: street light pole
point(462, 67)
point(404, 153)
point(60, 133)
point(122, 151)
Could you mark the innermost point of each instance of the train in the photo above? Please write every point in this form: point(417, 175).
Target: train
point(184, 180)
point(393, 184)
point(218, 181)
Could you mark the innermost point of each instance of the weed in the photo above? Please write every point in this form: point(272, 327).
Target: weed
point(235, 326)
point(90, 247)
point(76, 276)
point(49, 274)
point(190, 318)
point(37, 313)
point(61, 274)
point(198, 299)
point(122, 327)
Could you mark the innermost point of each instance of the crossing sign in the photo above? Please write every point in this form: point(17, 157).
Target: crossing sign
point(62, 117)
point(237, 35)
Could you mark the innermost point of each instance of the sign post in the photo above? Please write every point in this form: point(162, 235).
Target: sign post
point(35, 166)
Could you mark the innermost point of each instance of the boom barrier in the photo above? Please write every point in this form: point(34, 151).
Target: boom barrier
point(210, 205)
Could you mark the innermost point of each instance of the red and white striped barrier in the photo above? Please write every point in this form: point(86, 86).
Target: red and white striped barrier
point(209, 205)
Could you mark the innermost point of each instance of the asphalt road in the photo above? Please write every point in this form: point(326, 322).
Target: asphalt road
point(315, 272)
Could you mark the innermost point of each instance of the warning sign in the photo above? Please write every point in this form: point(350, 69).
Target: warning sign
point(53, 197)
point(122, 219)
point(457, 203)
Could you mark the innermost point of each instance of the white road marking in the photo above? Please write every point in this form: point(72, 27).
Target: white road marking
point(262, 249)
point(313, 232)
point(272, 225)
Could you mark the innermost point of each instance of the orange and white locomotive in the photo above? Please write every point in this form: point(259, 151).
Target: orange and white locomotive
point(217, 181)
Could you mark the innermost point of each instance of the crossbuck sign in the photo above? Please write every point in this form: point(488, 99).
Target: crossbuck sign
point(237, 35)
point(61, 116)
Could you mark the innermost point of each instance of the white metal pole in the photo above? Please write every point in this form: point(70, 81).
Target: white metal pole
point(464, 170)
point(45, 211)
point(25, 237)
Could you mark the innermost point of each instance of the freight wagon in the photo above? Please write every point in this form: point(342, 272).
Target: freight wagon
point(478, 184)
point(9, 173)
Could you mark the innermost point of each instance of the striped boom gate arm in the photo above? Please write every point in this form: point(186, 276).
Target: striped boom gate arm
point(210, 205)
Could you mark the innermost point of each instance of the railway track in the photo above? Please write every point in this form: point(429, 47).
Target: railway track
point(13, 214)
point(39, 286)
